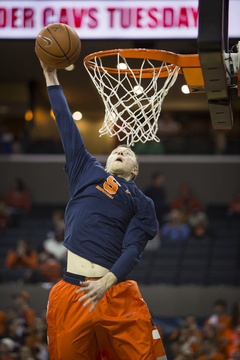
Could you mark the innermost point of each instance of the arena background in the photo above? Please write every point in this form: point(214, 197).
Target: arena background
point(212, 171)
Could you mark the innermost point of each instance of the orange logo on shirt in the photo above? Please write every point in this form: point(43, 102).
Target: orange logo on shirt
point(110, 187)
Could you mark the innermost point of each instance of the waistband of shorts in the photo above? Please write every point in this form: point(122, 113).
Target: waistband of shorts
point(75, 279)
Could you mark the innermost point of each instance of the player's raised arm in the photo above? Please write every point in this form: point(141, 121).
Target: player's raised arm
point(70, 135)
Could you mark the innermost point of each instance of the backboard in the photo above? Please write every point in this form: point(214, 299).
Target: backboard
point(220, 67)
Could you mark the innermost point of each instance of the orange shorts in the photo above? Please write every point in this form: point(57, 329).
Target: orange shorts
point(119, 328)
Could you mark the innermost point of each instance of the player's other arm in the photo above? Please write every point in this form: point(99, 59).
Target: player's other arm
point(135, 242)
point(142, 228)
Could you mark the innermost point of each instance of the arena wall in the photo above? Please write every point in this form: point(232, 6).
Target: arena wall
point(162, 300)
point(213, 179)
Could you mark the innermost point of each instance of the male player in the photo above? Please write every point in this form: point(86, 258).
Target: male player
point(108, 222)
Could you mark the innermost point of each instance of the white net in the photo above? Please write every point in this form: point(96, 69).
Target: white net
point(132, 103)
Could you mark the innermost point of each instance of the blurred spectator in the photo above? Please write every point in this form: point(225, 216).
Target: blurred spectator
point(194, 331)
point(167, 126)
point(40, 352)
point(157, 192)
point(25, 353)
point(38, 333)
point(58, 219)
point(15, 331)
point(6, 349)
point(55, 246)
point(3, 322)
point(234, 207)
point(236, 355)
point(37, 339)
point(174, 229)
point(22, 257)
point(188, 204)
point(210, 332)
point(210, 351)
point(18, 201)
point(7, 138)
point(4, 215)
point(51, 269)
point(231, 337)
point(175, 351)
point(170, 133)
point(11, 313)
point(185, 345)
point(48, 270)
point(25, 312)
point(219, 318)
point(191, 322)
point(200, 226)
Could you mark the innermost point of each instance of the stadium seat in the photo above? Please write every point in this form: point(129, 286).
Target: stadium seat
point(195, 263)
point(194, 277)
point(223, 277)
point(224, 263)
point(163, 276)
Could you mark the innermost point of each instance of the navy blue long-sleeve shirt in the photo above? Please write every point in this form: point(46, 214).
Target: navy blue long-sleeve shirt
point(108, 220)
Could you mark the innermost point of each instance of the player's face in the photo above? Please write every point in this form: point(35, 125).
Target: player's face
point(122, 162)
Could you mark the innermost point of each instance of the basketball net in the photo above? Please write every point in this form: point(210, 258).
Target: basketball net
point(132, 109)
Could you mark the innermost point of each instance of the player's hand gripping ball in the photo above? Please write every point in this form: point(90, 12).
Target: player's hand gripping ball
point(58, 46)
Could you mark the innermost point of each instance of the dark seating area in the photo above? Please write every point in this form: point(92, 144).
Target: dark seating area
point(213, 260)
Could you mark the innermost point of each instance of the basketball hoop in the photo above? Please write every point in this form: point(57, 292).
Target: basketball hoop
point(133, 97)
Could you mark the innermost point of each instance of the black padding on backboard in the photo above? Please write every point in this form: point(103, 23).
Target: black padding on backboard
point(212, 42)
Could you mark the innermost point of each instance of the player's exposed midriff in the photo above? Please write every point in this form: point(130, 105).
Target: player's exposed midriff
point(80, 266)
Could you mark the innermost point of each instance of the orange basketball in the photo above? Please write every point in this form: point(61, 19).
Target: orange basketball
point(58, 46)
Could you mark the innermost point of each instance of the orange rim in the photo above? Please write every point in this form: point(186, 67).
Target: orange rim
point(182, 61)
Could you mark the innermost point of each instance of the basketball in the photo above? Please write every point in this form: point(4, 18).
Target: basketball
point(58, 45)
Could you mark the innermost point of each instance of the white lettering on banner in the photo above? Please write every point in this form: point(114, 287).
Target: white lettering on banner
point(156, 19)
